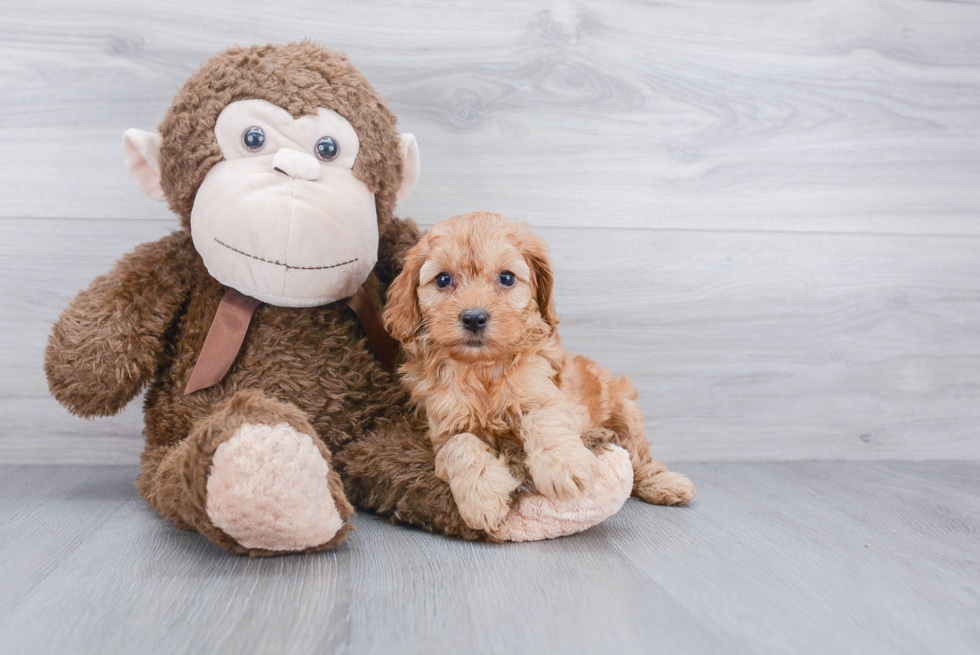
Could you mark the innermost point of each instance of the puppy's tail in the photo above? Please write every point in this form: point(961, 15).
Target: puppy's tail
point(624, 388)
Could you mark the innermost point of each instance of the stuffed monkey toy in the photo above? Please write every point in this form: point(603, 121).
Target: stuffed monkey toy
point(270, 406)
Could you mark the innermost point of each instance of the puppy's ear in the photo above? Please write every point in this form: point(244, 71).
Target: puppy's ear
point(536, 253)
point(401, 315)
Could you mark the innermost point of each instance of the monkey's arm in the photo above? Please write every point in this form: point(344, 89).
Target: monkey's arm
point(397, 238)
point(106, 345)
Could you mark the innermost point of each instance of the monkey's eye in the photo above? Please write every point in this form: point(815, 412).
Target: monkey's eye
point(254, 138)
point(507, 279)
point(327, 149)
point(443, 280)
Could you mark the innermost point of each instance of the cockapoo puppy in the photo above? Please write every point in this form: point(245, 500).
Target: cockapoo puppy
point(474, 312)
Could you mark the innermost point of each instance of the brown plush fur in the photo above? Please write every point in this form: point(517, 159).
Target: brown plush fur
point(145, 322)
point(510, 383)
point(300, 78)
point(175, 479)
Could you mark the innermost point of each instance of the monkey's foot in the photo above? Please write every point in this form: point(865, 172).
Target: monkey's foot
point(268, 489)
point(536, 517)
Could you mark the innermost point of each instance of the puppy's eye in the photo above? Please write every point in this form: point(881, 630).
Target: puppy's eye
point(443, 280)
point(507, 279)
point(254, 138)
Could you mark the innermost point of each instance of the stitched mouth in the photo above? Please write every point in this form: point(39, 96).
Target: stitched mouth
point(284, 265)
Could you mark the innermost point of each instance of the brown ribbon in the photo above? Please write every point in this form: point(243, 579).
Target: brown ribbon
point(230, 323)
point(385, 346)
point(224, 340)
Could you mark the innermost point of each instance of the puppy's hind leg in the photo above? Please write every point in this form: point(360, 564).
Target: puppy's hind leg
point(652, 481)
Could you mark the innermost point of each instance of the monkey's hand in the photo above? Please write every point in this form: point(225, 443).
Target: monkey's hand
point(106, 345)
point(397, 238)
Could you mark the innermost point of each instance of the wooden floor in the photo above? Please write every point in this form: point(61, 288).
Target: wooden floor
point(856, 557)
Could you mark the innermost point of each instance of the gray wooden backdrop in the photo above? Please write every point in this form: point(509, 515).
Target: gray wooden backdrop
point(764, 212)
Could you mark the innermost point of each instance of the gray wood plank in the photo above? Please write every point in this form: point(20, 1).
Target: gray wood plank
point(46, 516)
point(862, 548)
point(771, 558)
point(808, 116)
point(744, 346)
point(40, 431)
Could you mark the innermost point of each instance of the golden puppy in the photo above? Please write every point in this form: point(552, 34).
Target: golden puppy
point(473, 309)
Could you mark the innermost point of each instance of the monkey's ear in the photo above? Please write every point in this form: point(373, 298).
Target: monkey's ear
point(410, 165)
point(141, 155)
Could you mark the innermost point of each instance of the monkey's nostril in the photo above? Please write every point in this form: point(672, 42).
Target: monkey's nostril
point(474, 319)
point(298, 165)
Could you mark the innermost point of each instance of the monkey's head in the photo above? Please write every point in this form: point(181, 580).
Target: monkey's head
point(283, 161)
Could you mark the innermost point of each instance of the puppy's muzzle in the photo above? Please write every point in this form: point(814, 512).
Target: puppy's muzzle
point(474, 319)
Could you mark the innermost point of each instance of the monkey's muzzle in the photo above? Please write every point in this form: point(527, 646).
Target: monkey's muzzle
point(296, 164)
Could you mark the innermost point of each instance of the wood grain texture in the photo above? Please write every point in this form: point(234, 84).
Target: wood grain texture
point(766, 213)
point(744, 346)
point(815, 116)
point(771, 558)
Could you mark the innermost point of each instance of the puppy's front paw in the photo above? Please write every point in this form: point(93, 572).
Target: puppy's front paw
point(480, 482)
point(563, 471)
point(484, 499)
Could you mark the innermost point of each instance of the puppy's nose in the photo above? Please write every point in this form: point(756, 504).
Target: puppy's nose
point(474, 319)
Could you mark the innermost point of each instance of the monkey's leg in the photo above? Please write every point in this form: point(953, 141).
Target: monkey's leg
point(253, 477)
point(652, 481)
point(391, 471)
